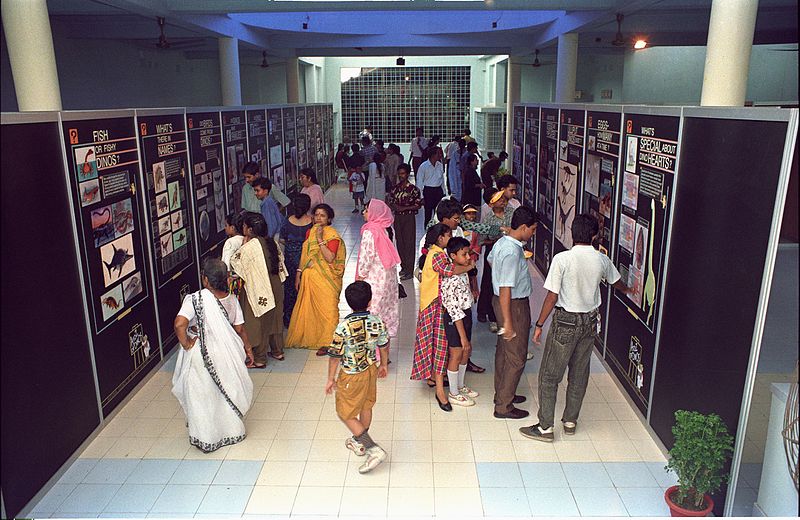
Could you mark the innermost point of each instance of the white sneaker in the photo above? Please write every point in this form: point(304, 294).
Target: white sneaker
point(529, 356)
point(493, 326)
point(469, 392)
point(375, 456)
point(356, 447)
point(460, 400)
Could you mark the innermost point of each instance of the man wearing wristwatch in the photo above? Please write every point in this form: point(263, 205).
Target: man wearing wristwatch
point(573, 288)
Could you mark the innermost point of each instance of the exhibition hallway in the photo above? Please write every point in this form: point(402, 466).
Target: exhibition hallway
point(293, 461)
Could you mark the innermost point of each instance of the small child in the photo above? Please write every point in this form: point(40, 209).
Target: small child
point(471, 215)
point(235, 233)
point(457, 299)
point(356, 179)
point(354, 346)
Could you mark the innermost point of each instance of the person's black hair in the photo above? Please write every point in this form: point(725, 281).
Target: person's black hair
point(355, 147)
point(419, 129)
point(448, 208)
point(256, 222)
point(301, 203)
point(217, 273)
point(379, 143)
point(358, 295)
point(377, 157)
point(467, 131)
point(462, 143)
point(523, 216)
point(584, 228)
point(490, 155)
point(456, 244)
point(472, 157)
point(504, 181)
point(310, 173)
point(431, 236)
point(472, 144)
point(366, 140)
point(404, 166)
point(235, 220)
point(251, 168)
point(327, 209)
point(503, 155)
point(263, 183)
point(339, 147)
point(488, 193)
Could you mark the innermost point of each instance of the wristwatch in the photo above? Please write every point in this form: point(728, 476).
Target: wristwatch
point(539, 325)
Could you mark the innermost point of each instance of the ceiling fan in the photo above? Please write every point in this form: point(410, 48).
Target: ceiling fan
point(182, 43)
point(619, 40)
point(537, 62)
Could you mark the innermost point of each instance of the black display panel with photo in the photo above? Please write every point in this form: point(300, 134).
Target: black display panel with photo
point(208, 181)
point(49, 399)
point(568, 176)
point(546, 197)
point(518, 140)
point(302, 137)
point(290, 150)
point(601, 162)
point(650, 147)
point(257, 141)
point(234, 143)
point(728, 168)
point(166, 172)
point(530, 156)
point(275, 148)
point(103, 169)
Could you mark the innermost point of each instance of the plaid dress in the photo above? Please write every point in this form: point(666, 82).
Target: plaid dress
point(430, 347)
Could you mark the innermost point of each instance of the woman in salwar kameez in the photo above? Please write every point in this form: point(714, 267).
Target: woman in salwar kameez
point(319, 284)
point(377, 264)
point(210, 380)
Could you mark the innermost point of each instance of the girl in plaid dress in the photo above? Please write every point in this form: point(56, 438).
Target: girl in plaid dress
point(430, 347)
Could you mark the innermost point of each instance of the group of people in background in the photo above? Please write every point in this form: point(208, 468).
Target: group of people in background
point(278, 272)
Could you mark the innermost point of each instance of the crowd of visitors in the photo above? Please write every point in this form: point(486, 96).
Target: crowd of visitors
point(278, 272)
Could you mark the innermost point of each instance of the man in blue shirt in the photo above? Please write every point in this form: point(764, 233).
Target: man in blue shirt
point(269, 208)
point(511, 285)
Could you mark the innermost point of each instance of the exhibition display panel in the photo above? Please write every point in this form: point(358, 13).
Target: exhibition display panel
point(518, 141)
point(167, 201)
point(546, 184)
point(290, 150)
point(569, 175)
point(257, 140)
point(275, 147)
point(234, 142)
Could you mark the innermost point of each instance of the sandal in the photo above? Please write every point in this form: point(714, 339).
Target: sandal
point(279, 357)
point(322, 352)
point(259, 366)
point(472, 367)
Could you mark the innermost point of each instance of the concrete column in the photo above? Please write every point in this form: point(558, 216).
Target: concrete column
point(292, 80)
point(512, 96)
point(229, 71)
point(730, 40)
point(30, 51)
point(566, 68)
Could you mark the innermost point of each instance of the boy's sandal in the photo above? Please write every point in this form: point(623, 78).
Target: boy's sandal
point(260, 366)
point(279, 357)
point(322, 352)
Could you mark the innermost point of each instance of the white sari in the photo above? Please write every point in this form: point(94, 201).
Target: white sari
point(210, 380)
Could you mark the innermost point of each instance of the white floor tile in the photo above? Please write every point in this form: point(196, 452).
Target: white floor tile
point(324, 474)
point(364, 501)
point(281, 473)
point(317, 501)
point(411, 474)
point(455, 475)
point(411, 502)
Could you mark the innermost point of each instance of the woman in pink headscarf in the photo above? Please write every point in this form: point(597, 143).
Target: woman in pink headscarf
point(377, 263)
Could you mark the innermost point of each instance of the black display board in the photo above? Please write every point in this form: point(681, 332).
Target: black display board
point(311, 141)
point(327, 129)
point(165, 168)
point(645, 193)
point(103, 169)
point(48, 394)
point(548, 162)
point(302, 138)
point(208, 181)
point(518, 139)
point(530, 156)
point(603, 137)
point(257, 141)
point(275, 147)
point(569, 176)
point(290, 158)
point(234, 143)
point(729, 171)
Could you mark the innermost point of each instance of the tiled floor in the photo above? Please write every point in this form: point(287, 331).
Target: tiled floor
point(293, 462)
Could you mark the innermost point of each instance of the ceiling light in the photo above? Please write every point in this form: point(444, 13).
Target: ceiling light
point(401, 61)
point(640, 44)
point(264, 63)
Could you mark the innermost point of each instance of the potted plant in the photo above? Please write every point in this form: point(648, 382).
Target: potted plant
point(702, 447)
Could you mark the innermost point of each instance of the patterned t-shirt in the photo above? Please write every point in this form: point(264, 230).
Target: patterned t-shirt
point(356, 339)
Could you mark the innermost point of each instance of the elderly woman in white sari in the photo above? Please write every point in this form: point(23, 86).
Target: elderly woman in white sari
point(211, 381)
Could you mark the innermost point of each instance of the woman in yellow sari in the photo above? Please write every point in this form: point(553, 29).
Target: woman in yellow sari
point(319, 284)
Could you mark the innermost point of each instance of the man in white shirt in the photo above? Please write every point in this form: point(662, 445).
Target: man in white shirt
point(573, 285)
point(430, 180)
point(418, 145)
point(508, 184)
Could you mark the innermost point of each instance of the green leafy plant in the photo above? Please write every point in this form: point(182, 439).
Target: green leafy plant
point(702, 446)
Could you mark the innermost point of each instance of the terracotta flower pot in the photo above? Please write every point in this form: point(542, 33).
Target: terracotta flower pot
point(676, 510)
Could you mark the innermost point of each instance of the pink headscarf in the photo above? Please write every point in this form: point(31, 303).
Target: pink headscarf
point(380, 217)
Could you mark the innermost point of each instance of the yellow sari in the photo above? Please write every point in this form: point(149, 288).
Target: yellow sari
point(316, 313)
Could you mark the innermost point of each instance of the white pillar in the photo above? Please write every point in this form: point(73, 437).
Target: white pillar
point(567, 67)
point(229, 71)
point(30, 51)
point(292, 80)
point(512, 96)
point(730, 40)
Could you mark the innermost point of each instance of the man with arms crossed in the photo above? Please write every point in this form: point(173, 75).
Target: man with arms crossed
point(573, 285)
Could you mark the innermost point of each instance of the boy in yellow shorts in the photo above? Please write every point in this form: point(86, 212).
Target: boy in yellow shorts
point(354, 347)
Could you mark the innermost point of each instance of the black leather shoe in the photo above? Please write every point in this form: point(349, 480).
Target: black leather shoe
point(515, 413)
point(483, 319)
point(446, 406)
point(519, 399)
